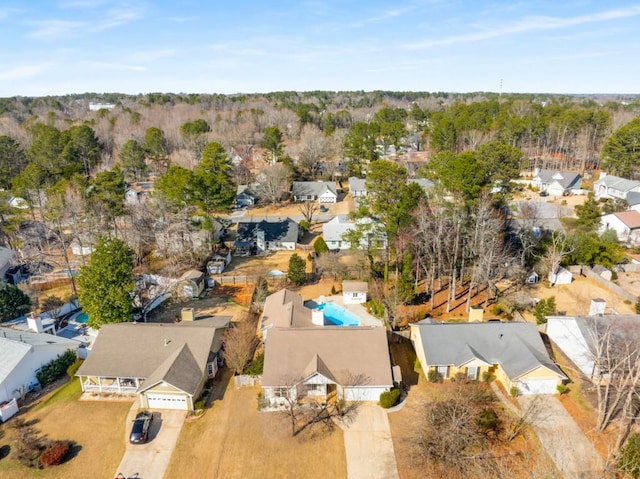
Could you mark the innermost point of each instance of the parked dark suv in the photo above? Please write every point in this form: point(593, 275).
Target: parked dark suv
point(140, 430)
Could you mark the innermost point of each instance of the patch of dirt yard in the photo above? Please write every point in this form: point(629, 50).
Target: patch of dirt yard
point(223, 300)
point(629, 282)
point(234, 440)
point(523, 457)
point(97, 427)
point(258, 265)
point(575, 298)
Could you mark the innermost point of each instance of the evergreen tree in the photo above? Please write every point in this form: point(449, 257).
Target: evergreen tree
point(213, 186)
point(297, 269)
point(106, 285)
point(588, 213)
point(13, 302)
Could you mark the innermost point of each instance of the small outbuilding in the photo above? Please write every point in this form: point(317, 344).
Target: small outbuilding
point(561, 276)
point(355, 292)
point(192, 283)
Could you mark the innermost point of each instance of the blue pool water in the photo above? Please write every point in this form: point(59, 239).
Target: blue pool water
point(338, 316)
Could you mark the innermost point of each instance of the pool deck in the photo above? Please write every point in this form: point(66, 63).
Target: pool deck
point(358, 309)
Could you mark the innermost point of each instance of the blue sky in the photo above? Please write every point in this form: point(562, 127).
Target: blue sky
point(226, 46)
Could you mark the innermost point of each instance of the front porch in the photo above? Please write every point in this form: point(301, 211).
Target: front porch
point(100, 384)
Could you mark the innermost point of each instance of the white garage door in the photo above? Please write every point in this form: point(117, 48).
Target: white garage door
point(167, 401)
point(538, 386)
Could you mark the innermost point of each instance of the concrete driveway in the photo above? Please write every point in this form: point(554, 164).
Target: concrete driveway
point(368, 445)
point(562, 439)
point(150, 460)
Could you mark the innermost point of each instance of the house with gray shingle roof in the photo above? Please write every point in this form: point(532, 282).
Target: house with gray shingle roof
point(270, 234)
point(511, 351)
point(323, 191)
point(165, 365)
point(357, 187)
point(612, 187)
point(555, 182)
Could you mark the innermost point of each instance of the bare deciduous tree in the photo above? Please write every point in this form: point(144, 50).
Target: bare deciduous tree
point(240, 342)
point(308, 208)
point(273, 181)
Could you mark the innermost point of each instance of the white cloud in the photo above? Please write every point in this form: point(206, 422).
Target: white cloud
point(116, 66)
point(527, 24)
point(151, 55)
point(24, 71)
point(55, 29)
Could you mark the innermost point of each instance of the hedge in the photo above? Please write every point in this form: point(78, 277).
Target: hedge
point(389, 398)
point(56, 368)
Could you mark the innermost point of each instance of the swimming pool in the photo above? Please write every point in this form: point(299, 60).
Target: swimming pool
point(338, 316)
point(79, 318)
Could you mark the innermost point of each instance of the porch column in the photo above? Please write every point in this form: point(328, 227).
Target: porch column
point(100, 383)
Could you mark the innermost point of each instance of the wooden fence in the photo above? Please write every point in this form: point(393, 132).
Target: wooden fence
point(586, 271)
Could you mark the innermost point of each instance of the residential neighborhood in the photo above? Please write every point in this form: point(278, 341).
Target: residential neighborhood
point(394, 306)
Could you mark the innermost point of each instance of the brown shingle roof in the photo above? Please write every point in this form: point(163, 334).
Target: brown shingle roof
point(285, 309)
point(631, 218)
point(355, 286)
point(175, 353)
point(338, 353)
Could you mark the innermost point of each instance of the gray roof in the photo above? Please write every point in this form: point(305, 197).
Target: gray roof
point(516, 347)
point(633, 198)
point(174, 353)
point(423, 182)
point(357, 184)
point(275, 229)
point(334, 229)
point(340, 354)
point(249, 190)
point(355, 286)
point(27, 336)
point(617, 183)
point(566, 179)
point(312, 188)
point(285, 309)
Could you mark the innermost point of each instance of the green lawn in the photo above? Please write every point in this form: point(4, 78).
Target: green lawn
point(97, 427)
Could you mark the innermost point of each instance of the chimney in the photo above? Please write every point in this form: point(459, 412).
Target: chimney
point(476, 313)
point(597, 307)
point(317, 317)
point(187, 314)
point(34, 323)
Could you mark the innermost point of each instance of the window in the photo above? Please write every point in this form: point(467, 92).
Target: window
point(210, 370)
point(472, 373)
point(443, 371)
point(281, 392)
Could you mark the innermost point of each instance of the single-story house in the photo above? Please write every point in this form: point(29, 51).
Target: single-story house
point(246, 196)
point(626, 224)
point(614, 187)
point(22, 354)
point(269, 234)
point(166, 365)
point(357, 187)
point(333, 233)
point(323, 191)
point(138, 193)
point(192, 283)
point(511, 351)
point(355, 292)
point(633, 200)
point(556, 183)
point(578, 337)
point(326, 363)
point(560, 276)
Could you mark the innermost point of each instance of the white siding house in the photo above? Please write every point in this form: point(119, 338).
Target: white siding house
point(626, 224)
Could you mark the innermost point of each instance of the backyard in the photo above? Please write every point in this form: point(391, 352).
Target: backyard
point(97, 427)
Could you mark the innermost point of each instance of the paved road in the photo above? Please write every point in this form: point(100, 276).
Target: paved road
point(562, 439)
point(368, 445)
point(244, 215)
point(150, 460)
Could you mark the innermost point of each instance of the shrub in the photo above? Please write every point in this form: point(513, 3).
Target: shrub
point(297, 269)
point(71, 370)
point(304, 225)
point(545, 307)
point(433, 376)
point(199, 404)
point(628, 457)
point(28, 444)
point(320, 246)
point(485, 376)
point(389, 398)
point(499, 309)
point(334, 291)
point(255, 367)
point(488, 420)
point(55, 453)
point(513, 391)
point(562, 388)
point(56, 368)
